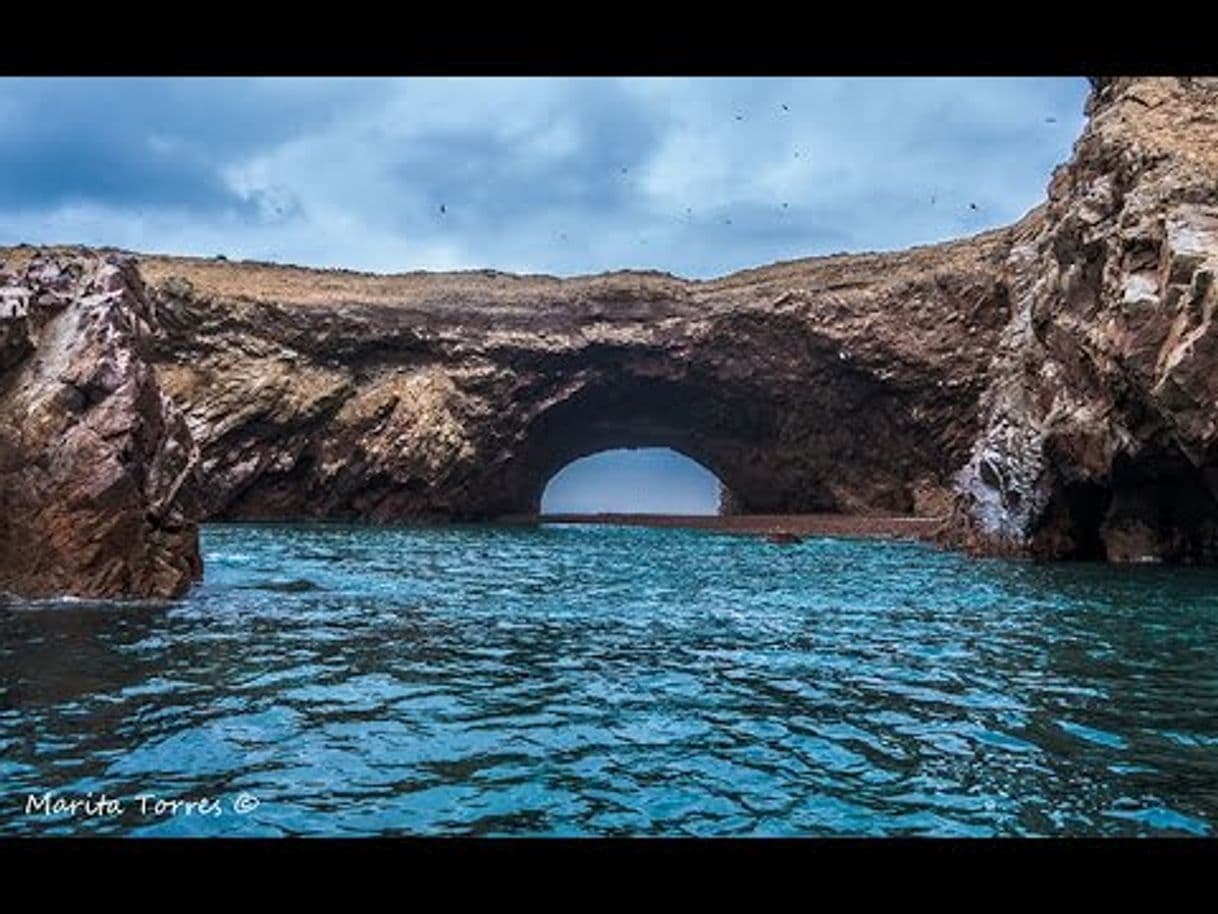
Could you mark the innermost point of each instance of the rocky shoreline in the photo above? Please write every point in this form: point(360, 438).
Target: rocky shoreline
point(1051, 387)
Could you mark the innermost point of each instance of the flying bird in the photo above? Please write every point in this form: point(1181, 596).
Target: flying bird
point(443, 209)
point(1050, 120)
point(785, 108)
point(972, 206)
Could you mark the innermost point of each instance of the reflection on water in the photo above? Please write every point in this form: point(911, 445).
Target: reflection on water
point(617, 680)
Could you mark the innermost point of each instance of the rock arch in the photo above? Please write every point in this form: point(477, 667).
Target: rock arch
point(775, 453)
point(618, 413)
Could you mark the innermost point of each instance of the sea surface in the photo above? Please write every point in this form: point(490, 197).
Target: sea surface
point(592, 680)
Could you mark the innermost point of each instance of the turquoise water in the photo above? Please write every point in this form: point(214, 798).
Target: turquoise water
point(332, 680)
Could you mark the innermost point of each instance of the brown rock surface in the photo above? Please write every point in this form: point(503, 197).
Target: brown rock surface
point(834, 384)
point(1101, 428)
point(94, 460)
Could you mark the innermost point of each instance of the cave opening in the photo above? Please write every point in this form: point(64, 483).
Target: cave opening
point(1164, 508)
point(642, 480)
point(1086, 505)
point(1157, 507)
point(635, 444)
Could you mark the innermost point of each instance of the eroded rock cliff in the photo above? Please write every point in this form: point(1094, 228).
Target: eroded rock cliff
point(96, 463)
point(835, 384)
point(1101, 418)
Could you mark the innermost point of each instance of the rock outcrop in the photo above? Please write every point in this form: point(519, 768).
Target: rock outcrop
point(1052, 387)
point(1101, 418)
point(835, 384)
point(96, 463)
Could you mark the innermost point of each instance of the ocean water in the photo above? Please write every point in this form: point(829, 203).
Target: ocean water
point(330, 680)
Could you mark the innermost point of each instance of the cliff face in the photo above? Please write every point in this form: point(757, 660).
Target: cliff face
point(96, 463)
point(1100, 435)
point(1053, 387)
point(844, 383)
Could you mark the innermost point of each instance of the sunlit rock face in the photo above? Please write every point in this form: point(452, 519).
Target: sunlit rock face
point(1051, 388)
point(96, 463)
point(1101, 416)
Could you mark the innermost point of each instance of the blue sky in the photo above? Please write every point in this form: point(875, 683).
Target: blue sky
point(697, 177)
point(639, 481)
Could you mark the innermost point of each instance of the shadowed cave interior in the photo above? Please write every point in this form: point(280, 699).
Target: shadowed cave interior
point(1160, 507)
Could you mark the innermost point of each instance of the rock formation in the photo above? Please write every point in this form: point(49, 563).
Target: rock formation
point(1101, 418)
point(96, 463)
point(1051, 386)
point(834, 384)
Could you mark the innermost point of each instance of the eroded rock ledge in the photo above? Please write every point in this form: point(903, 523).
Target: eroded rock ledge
point(1050, 388)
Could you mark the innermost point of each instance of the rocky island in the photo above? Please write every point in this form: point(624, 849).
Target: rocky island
point(1049, 389)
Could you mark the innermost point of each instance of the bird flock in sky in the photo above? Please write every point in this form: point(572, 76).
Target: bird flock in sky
point(562, 236)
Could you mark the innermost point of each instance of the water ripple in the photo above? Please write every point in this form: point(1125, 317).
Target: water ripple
point(620, 681)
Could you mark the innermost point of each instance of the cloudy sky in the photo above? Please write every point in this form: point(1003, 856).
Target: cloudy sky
point(697, 177)
point(693, 176)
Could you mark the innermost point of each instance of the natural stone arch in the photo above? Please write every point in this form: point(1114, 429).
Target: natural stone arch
point(818, 401)
point(625, 413)
point(811, 431)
